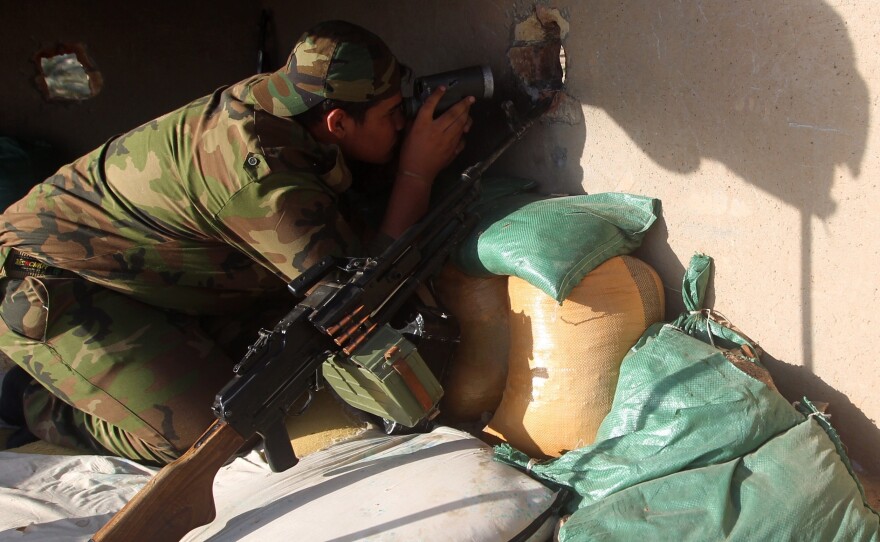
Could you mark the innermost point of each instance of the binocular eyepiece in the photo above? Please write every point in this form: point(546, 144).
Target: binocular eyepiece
point(476, 81)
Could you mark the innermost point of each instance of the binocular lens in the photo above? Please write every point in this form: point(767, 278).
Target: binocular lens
point(476, 81)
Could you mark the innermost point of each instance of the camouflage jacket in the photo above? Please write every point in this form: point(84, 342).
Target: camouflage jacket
point(202, 210)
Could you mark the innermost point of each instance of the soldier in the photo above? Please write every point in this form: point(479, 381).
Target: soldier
point(127, 275)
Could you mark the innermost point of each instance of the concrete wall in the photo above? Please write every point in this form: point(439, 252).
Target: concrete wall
point(750, 120)
point(154, 57)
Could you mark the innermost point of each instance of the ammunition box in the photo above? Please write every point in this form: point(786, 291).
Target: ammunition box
point(387, 377)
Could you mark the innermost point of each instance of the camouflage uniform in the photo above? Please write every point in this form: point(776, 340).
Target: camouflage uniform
point(162, 240)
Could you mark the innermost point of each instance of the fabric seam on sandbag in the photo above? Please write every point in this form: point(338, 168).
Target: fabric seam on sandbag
point(561, 496)
point(646, 287)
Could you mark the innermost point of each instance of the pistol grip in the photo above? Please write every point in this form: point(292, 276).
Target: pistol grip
point(278, 448)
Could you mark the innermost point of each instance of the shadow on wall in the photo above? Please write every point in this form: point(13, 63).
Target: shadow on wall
point(857, 430)
point(769, 88)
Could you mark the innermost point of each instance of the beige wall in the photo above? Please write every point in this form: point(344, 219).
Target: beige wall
point(750, 120)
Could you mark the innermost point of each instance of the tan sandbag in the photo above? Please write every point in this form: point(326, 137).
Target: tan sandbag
point(327, 421)
point(40, 447)
point(477, 373)
point(565, 359)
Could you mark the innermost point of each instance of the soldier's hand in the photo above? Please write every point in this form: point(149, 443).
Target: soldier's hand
point(432, 144)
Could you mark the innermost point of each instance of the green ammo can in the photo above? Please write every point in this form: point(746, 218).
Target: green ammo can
point(386, 376)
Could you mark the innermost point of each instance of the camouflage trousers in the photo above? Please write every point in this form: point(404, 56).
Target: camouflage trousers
point(114, 375)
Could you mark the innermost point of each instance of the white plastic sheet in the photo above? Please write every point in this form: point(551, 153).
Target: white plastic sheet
point(439, 486)
point(55, 498)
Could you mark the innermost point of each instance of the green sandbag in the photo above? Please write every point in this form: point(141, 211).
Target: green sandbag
point(700, 323)
point(694, 449)
point(678, 404)
point(796, 486)
point(553, 242)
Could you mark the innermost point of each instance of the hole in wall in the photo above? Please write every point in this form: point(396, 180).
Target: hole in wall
point(537, 57)
point(539, 62)
point(66, 73)
point(562, 62)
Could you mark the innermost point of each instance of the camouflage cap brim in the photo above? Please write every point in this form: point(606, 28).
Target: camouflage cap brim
point(334, 60)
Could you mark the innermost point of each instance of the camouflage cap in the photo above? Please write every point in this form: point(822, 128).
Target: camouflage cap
point(336, 60)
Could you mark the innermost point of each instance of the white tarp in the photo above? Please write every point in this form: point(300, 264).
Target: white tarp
point(59, 498)
point(439, 486)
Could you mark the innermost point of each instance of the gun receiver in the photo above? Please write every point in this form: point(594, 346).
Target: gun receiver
point(333, 318)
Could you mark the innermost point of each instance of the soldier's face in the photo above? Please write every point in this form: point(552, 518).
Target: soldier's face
point(374, 140)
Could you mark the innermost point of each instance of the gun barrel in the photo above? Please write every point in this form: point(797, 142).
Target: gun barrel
point(435, 261)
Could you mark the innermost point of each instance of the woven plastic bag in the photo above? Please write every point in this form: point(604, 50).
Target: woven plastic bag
point(696, 449)
point(564, 359)
point(553, 242)
point(475, 379)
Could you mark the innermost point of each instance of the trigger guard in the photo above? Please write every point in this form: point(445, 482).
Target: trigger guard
point(306, 404)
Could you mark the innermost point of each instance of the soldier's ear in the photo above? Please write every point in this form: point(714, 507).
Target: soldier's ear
point(336, 121)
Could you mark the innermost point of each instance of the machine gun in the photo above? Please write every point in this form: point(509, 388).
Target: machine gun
point(339, 326)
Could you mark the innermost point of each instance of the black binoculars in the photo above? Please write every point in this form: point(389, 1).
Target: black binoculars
point(476, 81)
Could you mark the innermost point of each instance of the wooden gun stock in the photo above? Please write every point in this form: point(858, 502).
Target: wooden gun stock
point(180, 497)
